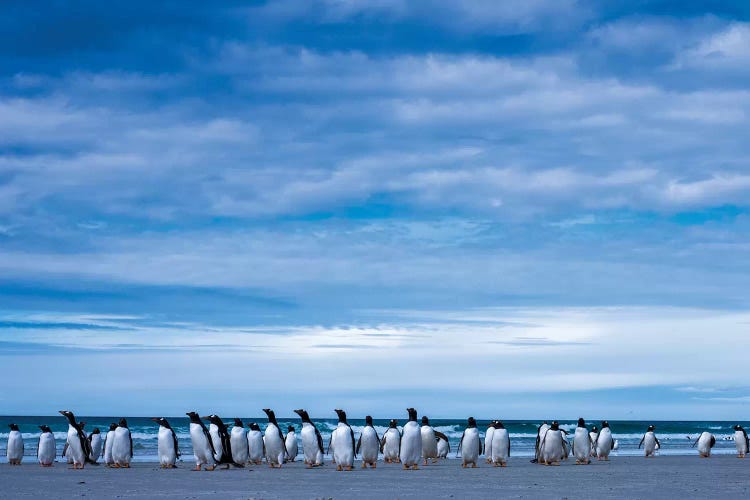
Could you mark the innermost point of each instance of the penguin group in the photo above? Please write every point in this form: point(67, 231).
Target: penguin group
point(413, 445)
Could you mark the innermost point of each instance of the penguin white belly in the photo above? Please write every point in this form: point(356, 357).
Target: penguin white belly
point(470, 445)
point(488, 442)
point(108, 447)
point(332, 445)
point(369, 445)
point(310, 447)
point(604, 443)
point(255, 446)
point(201, 446)
point(121, 447)
point(291, 446)
point(411, 444)
point(213, 431)
point(96, 447)
point(75, 450)
point(344, 451)
point(165, 448)
point(649, 444)
point(704, 444)
point(593, 436)
point(540, 436)
point(15, 447)
point(392, 444)
point(239, 443)
point(275, 451)
point(47, 449)
point(740, 442)
point(551, 448)
point(443, 448)
point(581, 445)
point(499, 449)
point(429, 442)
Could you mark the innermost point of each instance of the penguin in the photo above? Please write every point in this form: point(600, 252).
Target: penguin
point(429, 442)
point(203, 447)
point(390, 445)
point(604, 442)
point(368, 444)
point(76, 440)
point(649, 442)
point(15, 445)
point(69, 457)
point(705, 442)
point(741, 441)
point(95, 445)
point(312, 441)
point(222, 442)
point(108, 440)
point(551, 449)
point(274, 441)
point(167, 447)
point(582, 444)
point(290, 441)
point(344, 453)
point(443, 445)
point(238, 440)
point(540, 432)
point(411, 442)
point(593, 435)
point(470, 446)
point(122, 447)
point(46, 450)
point(500, 445)
point(488, 441)
point(256, 447)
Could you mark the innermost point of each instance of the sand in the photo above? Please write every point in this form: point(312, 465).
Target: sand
point(622, 477)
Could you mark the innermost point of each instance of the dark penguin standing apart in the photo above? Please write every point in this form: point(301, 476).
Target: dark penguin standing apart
point(222, 442)
point(167, 447)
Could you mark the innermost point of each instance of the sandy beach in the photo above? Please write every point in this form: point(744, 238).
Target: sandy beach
point(624, 477)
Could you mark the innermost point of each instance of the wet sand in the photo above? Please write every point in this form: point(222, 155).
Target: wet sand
point(622, 477)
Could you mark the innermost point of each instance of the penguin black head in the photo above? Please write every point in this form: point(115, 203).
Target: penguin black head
point(69, 415)
point(651, 428)
point(194, 417)
point(393, 423)
point(738, 427)
point(45, 428)
point(13, 427)
point(290, 428)
point(412, 414)
point(123, 423)
point(112, 426)
point(162, 422)
point(425, 420)
point(95, 431)
point(555, 426)
point(216, 420)
point(605, 424)
point(254, 426)
point(471, 422)
point(271, 415)
point(581, 423)
point(303, 415)
point(594, 429)
point(499, 424)
point(81, 424)
point(368, 420)
point(238, 423)
point(342, 415)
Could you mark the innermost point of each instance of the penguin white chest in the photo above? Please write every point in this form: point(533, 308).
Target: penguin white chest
point(392, 444)
point(275, 449)
point(121, 446)
point(499, 450)
point(165, 447)
point(581, 445)
point(46, 452)
point(604, 443)
point(411, 444)
point(15, 447)
point(201, 446)
point(470, 446)
point(343, 453)
point(75, 449)
point(552, 446)
point(369, 445)
point(429, 442)
point(110, 439)
point(238, 440)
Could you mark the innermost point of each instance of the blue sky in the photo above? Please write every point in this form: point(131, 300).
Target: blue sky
point(519, 209)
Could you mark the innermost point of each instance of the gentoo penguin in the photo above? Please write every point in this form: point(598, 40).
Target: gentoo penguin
point(78, 449)
point(69, 457)
point(582, 443)
point(344, 452)
point(470, 446)
point(368, 444)
point(705, 442)
point(429, 441)
point(108, 441)
point(594, 435)
point(238, 440)
point(312, 441)
point(649, 442)
point(500, 445)
point(217, 429)
point(122, 448)
point(390, 446)
point(290, 441)
point(95, 445)
point(741, 441)
point(443, 445)
point(15, 445)
point(203, 447)
point(274, 441)
point(488, 441)
point(167, 447)
point(551, 449)
point(540, 432)
point(604, 442)
point(46, 450)
point(411, 442)
point(256, 448)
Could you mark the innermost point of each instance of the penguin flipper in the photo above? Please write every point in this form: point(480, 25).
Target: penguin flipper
point(130, 437)
point(320, 440)
point(354, 447)
point(359, 444)
point(174, 442)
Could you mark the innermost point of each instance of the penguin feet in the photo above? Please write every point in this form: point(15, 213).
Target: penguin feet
point(415, 467)
point(474, 465)
point(503, 464)
point(339, 468)
point(349, 468)
point(406, 467)
point(425, 462)
point(495, 465)
point(210, 468)
point(373, 465)
point(126, 466)
point(197, 468)
point(364, 465)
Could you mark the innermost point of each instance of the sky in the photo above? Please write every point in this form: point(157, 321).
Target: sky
point(518, 209)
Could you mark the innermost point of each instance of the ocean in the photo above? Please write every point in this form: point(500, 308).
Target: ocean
point(676, 436)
